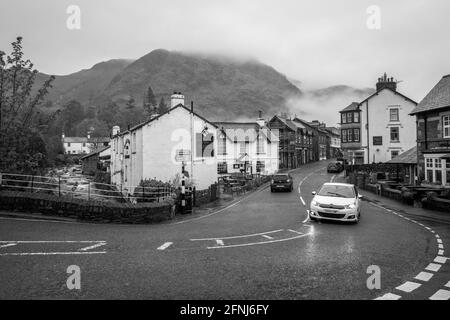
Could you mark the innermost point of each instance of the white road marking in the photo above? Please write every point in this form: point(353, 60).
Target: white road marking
point(424, 276)
point(219, 242)
point(8, 245)
point(448, 284)
point(440, 259)
point(93, 246)
point(267, 237)
point(389, 296)
point(433, 267)
point(241, 236)
point(303, 201)
point(297, 232)
point(441, 295)
point(259, 243)
point(165, 246)
point(439, 240)
point(440, 246)
point(437, 236)
point(53, 241)
point(441, 252)
point(408, 286)
point(307, 217)
point(49, 253)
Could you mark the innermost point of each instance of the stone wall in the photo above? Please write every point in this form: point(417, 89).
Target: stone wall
point(80, 209)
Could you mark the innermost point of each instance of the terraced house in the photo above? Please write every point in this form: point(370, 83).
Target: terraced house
point(433, 134)
point(379, 128)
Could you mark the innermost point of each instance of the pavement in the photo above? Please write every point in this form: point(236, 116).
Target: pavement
point(259, 246)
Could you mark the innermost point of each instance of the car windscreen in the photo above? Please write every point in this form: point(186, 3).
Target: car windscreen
point(280, 177)
point(337, 191)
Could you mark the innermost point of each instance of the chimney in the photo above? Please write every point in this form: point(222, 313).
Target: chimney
point(260, 121)
point(176, 98)
point(115, 130)
point(385, 82)
point(63, 136)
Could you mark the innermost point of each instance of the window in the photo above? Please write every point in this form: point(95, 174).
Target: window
point(377, 140)
point(260, 144)
point(344, 118)
point(446, 126)
point(434, 170)
point(393, 114)
point(260, 166)
point(350, 117)
point(356, 117)
point(448, 171)
point(68, 144)
point(344, 135)
point(222, 144)
point(204, 145)
point(395, 134)
point(356, 135)
point(84, 144)
point(222, 167)
point(245, 146)
point(394, 154)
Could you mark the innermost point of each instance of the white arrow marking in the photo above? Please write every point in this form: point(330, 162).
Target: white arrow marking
point(165, 246)
point(93, 246)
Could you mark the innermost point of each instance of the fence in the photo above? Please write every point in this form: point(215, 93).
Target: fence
point(78, 187)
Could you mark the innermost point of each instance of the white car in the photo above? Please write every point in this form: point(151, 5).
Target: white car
point(336, 201)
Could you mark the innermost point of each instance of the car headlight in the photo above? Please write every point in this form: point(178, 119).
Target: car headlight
point(288, 180)
point(314, 203)
point(350, 206)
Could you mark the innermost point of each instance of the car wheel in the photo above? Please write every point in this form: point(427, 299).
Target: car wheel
point(271, 189)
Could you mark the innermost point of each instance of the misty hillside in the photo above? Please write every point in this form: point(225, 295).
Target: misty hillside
point(221, 88)
point(324, 104)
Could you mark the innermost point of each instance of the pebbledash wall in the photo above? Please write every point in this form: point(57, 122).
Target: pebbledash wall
point(152, 150)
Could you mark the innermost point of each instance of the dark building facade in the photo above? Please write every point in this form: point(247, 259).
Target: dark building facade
point(433, 134)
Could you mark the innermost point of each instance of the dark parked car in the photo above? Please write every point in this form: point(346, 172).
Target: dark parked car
point(282, 181)
point(335, 167)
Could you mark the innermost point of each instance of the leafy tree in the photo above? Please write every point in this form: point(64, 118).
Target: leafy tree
point(72, 114)
point(162, 107)
point(22, 148)
point(96, 128)
point(108, 113)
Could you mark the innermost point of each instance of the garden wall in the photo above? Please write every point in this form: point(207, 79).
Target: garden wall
point(91, 210)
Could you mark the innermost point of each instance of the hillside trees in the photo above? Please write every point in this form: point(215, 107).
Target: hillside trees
point(22, 147)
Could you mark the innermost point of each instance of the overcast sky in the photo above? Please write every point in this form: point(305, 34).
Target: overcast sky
point(318, 42)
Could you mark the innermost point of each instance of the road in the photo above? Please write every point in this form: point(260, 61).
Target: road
point(260, 247)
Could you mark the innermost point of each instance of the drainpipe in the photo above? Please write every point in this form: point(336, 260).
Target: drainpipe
point(367, 124)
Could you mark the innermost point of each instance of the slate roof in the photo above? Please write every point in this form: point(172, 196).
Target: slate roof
point(98, 151)
point(407, 157)
point(248, 129)
point(351, 107)
point(86, 140)
point(437, 98)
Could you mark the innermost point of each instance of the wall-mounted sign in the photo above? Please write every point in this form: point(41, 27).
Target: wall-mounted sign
point(377, 140)
point(182, 155)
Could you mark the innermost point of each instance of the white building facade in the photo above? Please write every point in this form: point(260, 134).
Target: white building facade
point(161, 147)
point(83, 145)
point(379, 128)
point(249, 147)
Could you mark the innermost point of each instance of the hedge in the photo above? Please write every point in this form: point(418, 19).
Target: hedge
point(88, 210)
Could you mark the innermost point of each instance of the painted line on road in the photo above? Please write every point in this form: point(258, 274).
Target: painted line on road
point(303, 201)
point(165, 246)
point(448, 284)
point(93, 246)
point(50, 253)
point(236, 237)
point(259, 243)
point(219, 242)
point(297, 232)
point(424, 276)
point(51, 241)
point(433, 267)
point(408, 286)
point(267, 237)
point(389, 296)
point(8, 245)
point(440, 259)
point(441, 294)
point(441, 252)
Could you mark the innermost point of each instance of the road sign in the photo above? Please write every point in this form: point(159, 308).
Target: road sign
point(183, 155)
